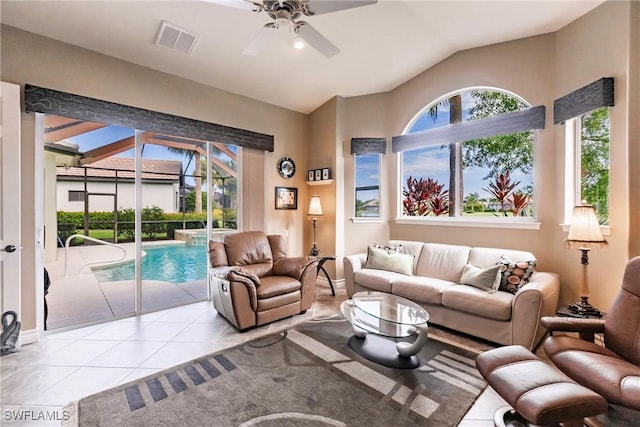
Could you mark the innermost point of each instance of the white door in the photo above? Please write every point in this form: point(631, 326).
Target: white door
point(10, 223)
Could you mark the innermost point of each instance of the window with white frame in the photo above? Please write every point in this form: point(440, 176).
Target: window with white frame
point(367, 185)
point(588, 149)
point(477, 177)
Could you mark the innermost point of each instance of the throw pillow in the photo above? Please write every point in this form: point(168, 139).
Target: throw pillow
point(515, 274)
point(390, 249)
point(487, 279)
point(380, 259)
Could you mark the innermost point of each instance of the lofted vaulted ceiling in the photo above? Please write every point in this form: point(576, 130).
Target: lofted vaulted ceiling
point(381, 45)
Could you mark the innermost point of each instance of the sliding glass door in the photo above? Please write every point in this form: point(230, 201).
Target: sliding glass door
point(132, 213)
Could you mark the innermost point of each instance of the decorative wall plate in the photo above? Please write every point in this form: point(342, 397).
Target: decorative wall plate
point(286, 167)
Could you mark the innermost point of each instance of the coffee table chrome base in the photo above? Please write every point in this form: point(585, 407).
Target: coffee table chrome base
point(382, 351)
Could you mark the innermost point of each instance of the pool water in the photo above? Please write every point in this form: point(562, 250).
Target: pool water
point(170, 263)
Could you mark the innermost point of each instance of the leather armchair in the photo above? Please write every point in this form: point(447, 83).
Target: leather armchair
point(253, 282)
point(612, 371)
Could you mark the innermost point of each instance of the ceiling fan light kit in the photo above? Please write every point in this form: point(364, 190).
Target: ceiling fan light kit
point(286, 13)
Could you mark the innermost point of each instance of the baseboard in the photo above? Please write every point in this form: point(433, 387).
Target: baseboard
point(29, 336)
point(338, 283)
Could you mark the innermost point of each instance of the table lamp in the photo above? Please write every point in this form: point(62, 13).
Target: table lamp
point(584, 235)
point(314, 214)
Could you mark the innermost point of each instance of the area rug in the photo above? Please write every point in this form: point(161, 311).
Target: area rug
point(307, 376)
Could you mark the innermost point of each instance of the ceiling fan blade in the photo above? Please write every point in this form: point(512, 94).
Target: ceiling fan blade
point(260, 40)
point(318, 7)
point(316, 40)
point(239, 4)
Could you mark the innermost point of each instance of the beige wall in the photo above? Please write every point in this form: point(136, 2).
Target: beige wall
point(28, 58)
point(539, 69)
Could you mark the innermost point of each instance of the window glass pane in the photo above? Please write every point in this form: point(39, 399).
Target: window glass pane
point(367, 171)
point(76, 196)
point(594, 161)
point(425, 181)
point(492, 178)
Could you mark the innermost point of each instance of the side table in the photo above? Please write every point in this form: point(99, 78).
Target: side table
point(324, 259)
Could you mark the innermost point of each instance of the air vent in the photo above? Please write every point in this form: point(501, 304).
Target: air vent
point(174, 37)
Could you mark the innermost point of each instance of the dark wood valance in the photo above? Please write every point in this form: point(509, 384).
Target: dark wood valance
point(588, 98)
point(516, 121)
point(49, 101)
point(368, 145)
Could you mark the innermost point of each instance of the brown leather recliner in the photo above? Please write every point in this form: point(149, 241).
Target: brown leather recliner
point(612, 371)
point(253, 282)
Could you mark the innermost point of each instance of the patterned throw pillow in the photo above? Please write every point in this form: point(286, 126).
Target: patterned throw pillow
point(395, 249)
point(515, 274)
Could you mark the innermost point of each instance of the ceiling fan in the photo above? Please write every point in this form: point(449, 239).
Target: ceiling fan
point(287, 13)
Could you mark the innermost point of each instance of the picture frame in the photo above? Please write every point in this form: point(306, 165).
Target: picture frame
point(286, 198)
point(326, 173)
point(318, 173)
point(311, 175)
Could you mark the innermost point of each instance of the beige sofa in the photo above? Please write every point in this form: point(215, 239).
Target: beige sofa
point(500, 317)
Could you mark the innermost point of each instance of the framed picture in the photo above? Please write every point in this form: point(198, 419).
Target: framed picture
point(286, 198)
point(318, 174)
point(326, 173)
point(311, 175)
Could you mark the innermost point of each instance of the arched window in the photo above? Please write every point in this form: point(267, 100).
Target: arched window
point(486, 174)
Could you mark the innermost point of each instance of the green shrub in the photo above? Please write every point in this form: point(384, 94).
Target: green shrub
point(152, 221)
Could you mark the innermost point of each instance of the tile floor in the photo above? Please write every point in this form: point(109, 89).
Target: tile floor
point(63, 367)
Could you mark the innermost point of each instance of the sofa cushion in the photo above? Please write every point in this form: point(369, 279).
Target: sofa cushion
point(487, 257)
point(443, 262)
point(421, 289)
point(249, 247)
point(377, 280)
point(381, 259)
point(271, 286)
point(487, 279)
point(475, 301)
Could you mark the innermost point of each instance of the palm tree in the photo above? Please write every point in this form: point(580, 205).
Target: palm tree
point(455, 153)
point(197, 174)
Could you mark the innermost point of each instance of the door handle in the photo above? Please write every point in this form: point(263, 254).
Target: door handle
point(8, 248)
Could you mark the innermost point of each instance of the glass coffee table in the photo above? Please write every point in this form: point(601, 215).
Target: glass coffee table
point(377, 318)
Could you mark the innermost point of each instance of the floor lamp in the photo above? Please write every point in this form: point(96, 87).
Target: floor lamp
point(315, 214)
point(585, 234)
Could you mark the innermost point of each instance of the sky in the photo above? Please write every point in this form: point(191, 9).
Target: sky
point(112, 133)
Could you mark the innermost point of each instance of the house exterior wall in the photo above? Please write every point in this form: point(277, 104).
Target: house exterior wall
point(163, 195)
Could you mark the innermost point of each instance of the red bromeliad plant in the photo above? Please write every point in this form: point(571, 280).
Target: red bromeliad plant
point(424, 196)
point(519, 202)
point(501, 189)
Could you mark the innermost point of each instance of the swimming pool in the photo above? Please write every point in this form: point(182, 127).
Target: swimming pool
point(168, 263)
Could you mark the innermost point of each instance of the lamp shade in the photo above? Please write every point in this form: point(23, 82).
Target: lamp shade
point(315, 208)
point(585, 229)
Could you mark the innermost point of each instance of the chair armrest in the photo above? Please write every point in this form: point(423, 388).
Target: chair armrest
point(293, 266)
point(572, 324)
point(249, 280)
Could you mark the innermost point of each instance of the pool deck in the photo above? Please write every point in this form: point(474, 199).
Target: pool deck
point(79, 298)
